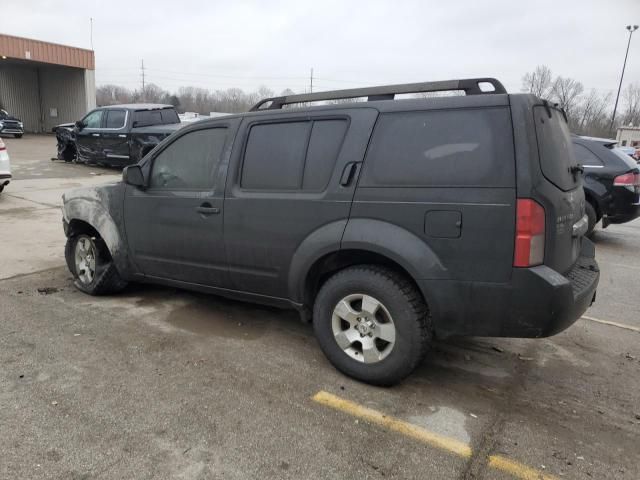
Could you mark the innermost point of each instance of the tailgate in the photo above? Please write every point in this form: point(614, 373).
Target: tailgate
point(563, 194)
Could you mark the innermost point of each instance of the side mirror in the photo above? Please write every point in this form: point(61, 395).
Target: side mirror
point(132, 175)
point(79, 125)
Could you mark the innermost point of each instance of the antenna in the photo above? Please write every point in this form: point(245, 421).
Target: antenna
point(143, 91)
point(311, 81)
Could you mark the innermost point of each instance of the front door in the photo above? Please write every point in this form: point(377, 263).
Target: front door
point(88, 138)
point(115, 140)
point(174, 227)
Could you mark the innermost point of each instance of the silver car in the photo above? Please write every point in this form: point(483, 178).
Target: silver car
point(5, 166)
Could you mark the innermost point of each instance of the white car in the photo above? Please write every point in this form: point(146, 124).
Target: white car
point(5, 166)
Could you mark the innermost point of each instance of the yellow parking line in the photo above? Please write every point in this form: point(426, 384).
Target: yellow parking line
point(423, 435)
point(613, 324)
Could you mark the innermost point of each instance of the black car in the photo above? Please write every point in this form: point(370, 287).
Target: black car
point(611, 182)
point(116, 135)
point(385, 222)
point(10, 125)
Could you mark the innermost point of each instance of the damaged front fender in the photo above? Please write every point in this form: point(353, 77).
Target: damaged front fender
point(101, 209)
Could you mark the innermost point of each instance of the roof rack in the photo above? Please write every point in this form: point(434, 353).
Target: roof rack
point(470, 86)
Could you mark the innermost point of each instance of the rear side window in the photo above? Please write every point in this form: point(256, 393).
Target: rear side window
point(145, 118)
point(115, 118)
point(585, 156)
point(555, 148)
point(463, 147)
point(292, 155)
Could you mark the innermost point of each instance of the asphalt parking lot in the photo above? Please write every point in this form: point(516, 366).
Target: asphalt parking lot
point(162, 383)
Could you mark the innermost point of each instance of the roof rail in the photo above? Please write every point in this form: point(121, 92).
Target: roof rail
point(470, 86)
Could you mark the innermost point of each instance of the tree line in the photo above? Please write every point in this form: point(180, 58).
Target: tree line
point(186, 99)
point(588, 112)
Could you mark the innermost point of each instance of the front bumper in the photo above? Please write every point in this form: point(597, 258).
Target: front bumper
point(538, 302)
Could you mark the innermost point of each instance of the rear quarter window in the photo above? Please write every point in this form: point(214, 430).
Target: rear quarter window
point(461, 147)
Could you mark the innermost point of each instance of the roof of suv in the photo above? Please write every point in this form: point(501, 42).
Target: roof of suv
point(140, 106)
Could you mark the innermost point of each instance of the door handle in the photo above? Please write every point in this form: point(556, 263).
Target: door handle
point(207, 209)
point(349, 173)
point(95, 134)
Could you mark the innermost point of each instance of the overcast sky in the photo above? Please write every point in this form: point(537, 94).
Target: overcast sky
point(246, 44)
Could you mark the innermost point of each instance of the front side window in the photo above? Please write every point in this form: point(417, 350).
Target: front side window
point(93, 120)
point(115, 118)
point(190, 162)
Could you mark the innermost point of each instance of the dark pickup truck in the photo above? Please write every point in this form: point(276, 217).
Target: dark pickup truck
point(116, 135)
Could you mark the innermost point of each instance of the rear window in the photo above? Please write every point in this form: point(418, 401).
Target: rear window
point(145, 118)
point(555, 148)
point(462, 147)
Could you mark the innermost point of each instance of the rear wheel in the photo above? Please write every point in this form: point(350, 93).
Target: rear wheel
point(18, 135)
point(92, 267)
point(592, 217)
point(372, 324)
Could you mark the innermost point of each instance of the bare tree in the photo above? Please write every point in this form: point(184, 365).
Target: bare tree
point(566, 92)
point(631, 100)
point(592, 115)
point(539, 82)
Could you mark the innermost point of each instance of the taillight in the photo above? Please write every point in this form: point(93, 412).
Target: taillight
point(529, 247)
point(2, 145)
point(629, 180)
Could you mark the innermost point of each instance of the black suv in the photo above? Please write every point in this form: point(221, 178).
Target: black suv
point(10, 124)
point(385, 222)
point(611, 182)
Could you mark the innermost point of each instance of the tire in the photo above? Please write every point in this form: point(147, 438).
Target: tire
point(592, 216)
point(369, 351)
point(102, 277)
point(18, 135)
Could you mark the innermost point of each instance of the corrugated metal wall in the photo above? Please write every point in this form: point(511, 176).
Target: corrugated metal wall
point(45, 96)
point(19, 94)
point(62, 92)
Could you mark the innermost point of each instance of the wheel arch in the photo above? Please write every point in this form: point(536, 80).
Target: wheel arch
point(86, 216)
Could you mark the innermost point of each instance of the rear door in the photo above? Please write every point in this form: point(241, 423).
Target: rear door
point(115, 137)
point(561, 195)
point(88, 139)
point(293, 175)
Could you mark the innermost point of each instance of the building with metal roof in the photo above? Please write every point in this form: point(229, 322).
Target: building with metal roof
point(45, 84)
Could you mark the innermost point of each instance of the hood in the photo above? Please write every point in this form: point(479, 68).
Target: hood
point(68, 126)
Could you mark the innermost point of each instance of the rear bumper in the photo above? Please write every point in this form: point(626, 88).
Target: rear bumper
point(623, 207)
point(538, 302)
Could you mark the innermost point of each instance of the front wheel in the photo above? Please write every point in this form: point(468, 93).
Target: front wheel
point(18, 135)
point(91, 265)
point(372, 324)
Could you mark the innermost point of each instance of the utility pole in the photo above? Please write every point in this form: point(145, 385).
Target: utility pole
point(631, 28)
point(143, 91)
point(91, 32)
point(311, 81)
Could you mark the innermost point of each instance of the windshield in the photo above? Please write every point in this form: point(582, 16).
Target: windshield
point(3, 114)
